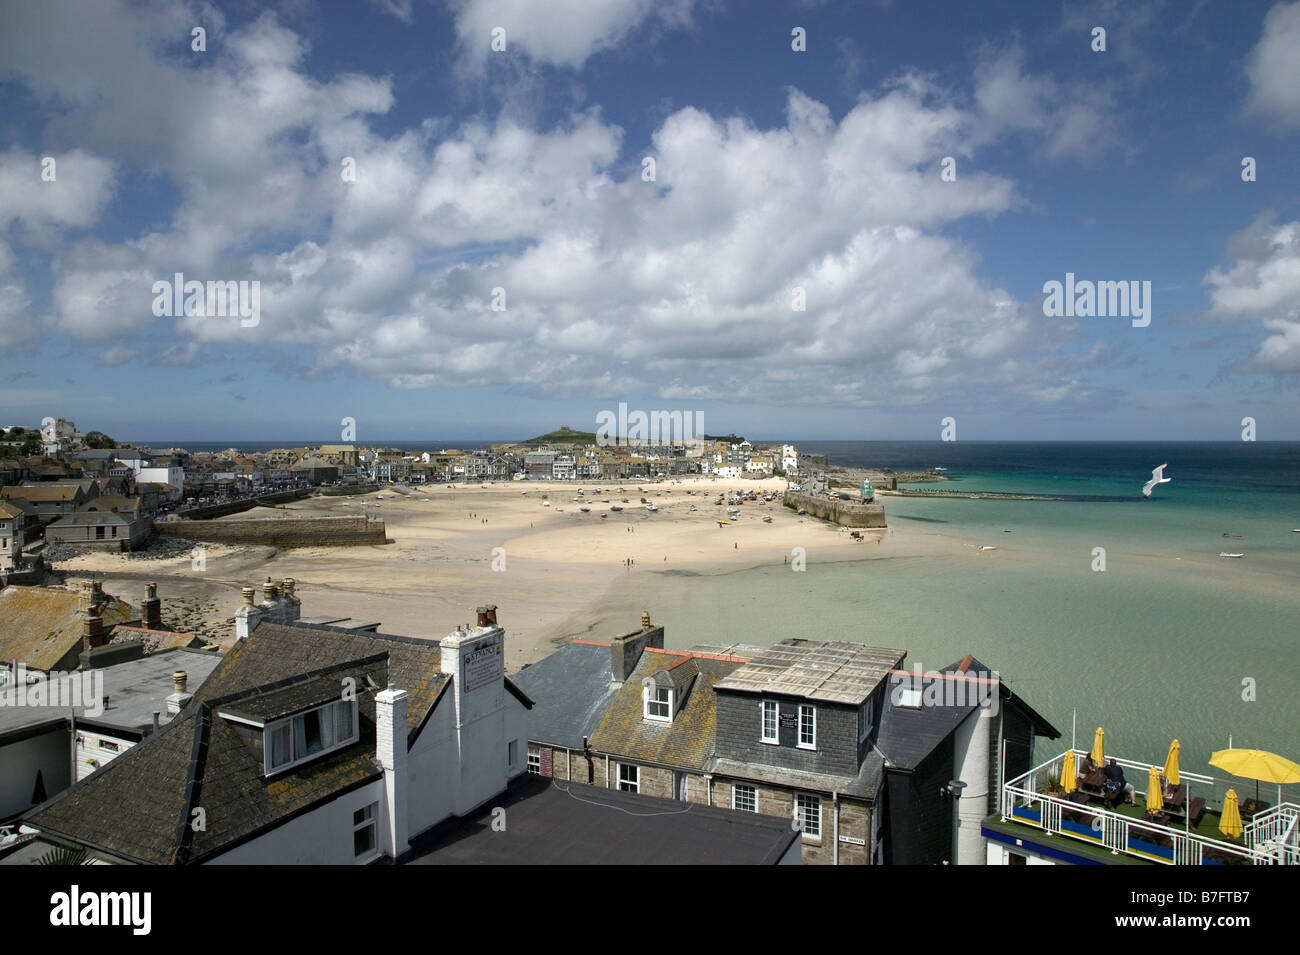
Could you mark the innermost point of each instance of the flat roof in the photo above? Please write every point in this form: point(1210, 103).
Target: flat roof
point(833, 671)
point(555, 822)
point(134, 690)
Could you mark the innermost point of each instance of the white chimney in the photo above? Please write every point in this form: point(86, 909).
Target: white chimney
point(248, 616)
point(474, 658)
point(390, 750)
point(180, 695)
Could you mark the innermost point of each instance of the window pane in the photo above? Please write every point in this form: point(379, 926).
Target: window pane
point(310, 723)
point(343, 720)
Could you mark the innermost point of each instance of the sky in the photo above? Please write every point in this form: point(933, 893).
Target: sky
point(490, 218)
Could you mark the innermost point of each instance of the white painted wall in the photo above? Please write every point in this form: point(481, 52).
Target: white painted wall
point(320, 837)
point(90, 745)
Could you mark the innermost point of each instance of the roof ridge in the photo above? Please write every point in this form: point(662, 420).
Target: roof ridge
point(295, 679)
point(193, 785)
point(369, 634)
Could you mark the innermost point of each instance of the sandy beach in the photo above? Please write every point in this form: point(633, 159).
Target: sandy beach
point(553, 562)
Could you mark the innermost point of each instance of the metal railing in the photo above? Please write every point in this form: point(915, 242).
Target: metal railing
point(1270, 839)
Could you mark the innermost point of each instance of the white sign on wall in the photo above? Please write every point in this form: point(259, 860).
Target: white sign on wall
point(482, 666)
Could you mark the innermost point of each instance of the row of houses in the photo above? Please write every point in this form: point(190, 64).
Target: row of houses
point(837, 736)
point(331, 743)
point(325, 741)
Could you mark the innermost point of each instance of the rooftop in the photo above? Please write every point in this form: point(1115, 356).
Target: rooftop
point(1185, 832)
point(834, 672)
point(132, 692)
point(555, 823)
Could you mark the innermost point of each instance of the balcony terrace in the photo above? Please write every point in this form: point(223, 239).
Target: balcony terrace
point(1186, 833)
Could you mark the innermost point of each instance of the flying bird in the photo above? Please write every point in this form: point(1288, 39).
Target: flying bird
point(1157, 477)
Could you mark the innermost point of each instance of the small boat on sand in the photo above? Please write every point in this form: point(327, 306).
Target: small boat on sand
point(585, 510)
point(1234, 536)
point(767, 518)
point(1226, 554)
point(988, 547)
point(615, 507)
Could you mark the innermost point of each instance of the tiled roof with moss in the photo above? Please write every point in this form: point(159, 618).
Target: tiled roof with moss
point(39, 626)
point(687, 741)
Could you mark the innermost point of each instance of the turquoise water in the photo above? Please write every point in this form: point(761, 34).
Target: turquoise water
point(1155, 647)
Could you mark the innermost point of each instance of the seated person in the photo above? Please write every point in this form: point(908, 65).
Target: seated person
point(1115, 785)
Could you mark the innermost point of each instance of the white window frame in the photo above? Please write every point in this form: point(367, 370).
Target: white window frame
point(776, 722)
point(650, 697)
point(909, 698)
point(297, 759)
point(369, 821)
point(534, 759)
point(753, 794)
point(811, 713)
point(804, 815)
point(632, 784)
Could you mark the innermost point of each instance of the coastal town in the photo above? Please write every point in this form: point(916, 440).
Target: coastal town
point(833, 752)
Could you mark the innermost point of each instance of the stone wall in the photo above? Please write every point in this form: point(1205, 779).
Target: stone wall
point(281, 532)
point(247, 504)
point(844, 513)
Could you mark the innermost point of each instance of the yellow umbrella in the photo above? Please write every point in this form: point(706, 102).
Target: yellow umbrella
point(1155, 798)
point(1068, 773)
point(1171, 764)
point(1230, 821)
point(1098, 754)
point(1257, 764)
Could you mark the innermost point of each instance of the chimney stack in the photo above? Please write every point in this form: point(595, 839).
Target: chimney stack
point(390, 752)
point(625, 651)
point(484, 619)
point(179, 696)
point(492, 614)
point(92, 627)
point(151, 609)
point(248, 593)
point(270, 591)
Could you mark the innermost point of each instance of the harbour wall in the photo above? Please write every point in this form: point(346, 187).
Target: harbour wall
point(282, 532)
point(247, 504)
point(844, 513)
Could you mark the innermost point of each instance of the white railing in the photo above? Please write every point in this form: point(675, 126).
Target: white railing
point(1272, 838)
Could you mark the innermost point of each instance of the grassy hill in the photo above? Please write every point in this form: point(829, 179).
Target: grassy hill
point(565, 435)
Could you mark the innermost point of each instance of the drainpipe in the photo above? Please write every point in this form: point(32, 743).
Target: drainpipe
point(835, 854)
point(708, 789)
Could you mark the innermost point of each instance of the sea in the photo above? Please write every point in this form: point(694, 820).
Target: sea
point(1168, 641)
point(1102, 610)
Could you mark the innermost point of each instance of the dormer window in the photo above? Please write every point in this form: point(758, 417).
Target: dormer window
point(658, 702)
point(307, 735)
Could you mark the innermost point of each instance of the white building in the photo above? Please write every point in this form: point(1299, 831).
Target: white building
point(360, 740)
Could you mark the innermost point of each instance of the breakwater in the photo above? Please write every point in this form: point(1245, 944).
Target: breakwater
point(209, 511)
point(282, 532)
point(844, 513)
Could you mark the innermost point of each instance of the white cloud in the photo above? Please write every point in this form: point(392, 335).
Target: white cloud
point(1263, 284)
point(680, 286)
point(1273, 66)
point(559, 32)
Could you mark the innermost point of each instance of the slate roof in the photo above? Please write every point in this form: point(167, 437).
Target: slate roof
point(572, 687)
point(39, 626)
point(865, 784)
point(278, 704)
point(139, 805)
point(909, 734)
point(831, 671)
point(687, 741)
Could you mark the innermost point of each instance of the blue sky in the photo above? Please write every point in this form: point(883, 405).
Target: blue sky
point(775, 170)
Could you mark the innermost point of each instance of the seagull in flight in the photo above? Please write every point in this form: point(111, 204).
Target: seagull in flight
point(1157, 477)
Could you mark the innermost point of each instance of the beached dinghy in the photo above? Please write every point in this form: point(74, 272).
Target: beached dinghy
point(1226, 554)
